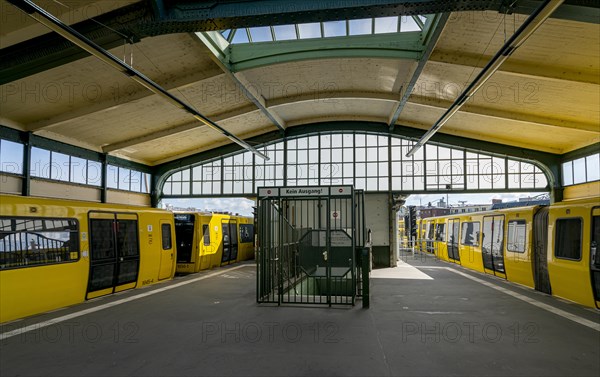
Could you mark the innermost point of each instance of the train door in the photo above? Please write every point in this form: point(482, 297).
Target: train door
point(207, 249)
point(230, 241)
point(114, 253)
point(184, 236)
point(166, 251)
point(569, 266)
point(540, 251)
point(440, 248)
point(453, 235)
point(492, 245)
point(429, 237)
point(595, 255)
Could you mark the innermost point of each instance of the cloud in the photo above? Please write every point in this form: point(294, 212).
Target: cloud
point(242, 206)
point(454, 199)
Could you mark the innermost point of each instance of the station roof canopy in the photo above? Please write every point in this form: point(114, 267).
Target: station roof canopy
point(257, 67)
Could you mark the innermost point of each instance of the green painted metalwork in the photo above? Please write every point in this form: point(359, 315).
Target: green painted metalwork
point(431, 32)
point(307, 245)
point(30, 140)
point(365, 260)
point(549, 162)
point(136, 21)
point(26, 181)
point(440, 168)
point(389, 46)
point(581, 152)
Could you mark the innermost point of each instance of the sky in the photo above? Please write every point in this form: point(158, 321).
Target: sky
point(244, 206)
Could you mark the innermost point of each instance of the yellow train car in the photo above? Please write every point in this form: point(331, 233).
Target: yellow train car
point(429, 236)
point(469, 246)
point(55, 253)
point(421, 234)
point(246, 238)
point(553, 249)
point(209, 240)
point(440, 246)
point(402, 234)
point(573, 255)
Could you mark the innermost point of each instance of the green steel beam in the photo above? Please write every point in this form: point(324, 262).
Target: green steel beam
point(392, 46)
point(581, 152)
point(50, 50)
point(150, 18)
point(217, 45)
point(581, 11)
point(430, 37)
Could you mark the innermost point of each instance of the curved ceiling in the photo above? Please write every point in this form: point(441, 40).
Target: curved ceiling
point(546, 97)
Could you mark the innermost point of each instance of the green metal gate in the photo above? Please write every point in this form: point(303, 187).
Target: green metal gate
point(307, 248)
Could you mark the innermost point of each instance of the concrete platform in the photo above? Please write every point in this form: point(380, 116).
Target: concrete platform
point(426, 318)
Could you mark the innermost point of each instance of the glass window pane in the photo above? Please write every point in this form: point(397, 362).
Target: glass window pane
point(567, 173)
point(568, 239)
point(407, 23)
point(240, 36)
point(176, 188)
point(386, 25)
point(516, 236)
point(113, 177)
point(11, 157)
point(593, 167)
point(579, 170)
point(94, 173)
point(124, 179)
point(166, 236)
point(40, 163)
point(261, 34)
point(285, 32)
point(78, 170)
point(60, 166)
point(136, 181)
point(361, 27)
point(310, 30)
point(470, 234)
point(146, 182)
point(334, 28)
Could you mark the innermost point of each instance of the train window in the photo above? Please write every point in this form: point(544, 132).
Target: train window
point(26, 242)
point(127, 238)
point(102, 241)
point(430, 230)
point(206, 233)
point(166, 236)
point(453, 228)
point(568, 239)
point(470, 233)
point(246, 233)
point(516, 236)
point(440, 232)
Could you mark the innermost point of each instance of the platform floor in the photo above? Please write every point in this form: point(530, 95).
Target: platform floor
point(426, 318)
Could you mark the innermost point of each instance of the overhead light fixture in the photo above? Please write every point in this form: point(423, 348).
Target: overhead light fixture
point(56, 25)
point(515, 41)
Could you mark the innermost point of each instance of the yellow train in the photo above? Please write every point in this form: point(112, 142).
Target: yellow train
point(55, 253)
point(553, 249)
point(207, 240)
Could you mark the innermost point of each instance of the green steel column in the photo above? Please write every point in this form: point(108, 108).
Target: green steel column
point(26, 182)
point(365, 258)
point(104, 178)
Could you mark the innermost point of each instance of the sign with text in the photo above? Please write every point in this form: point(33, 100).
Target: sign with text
point(305, 191)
